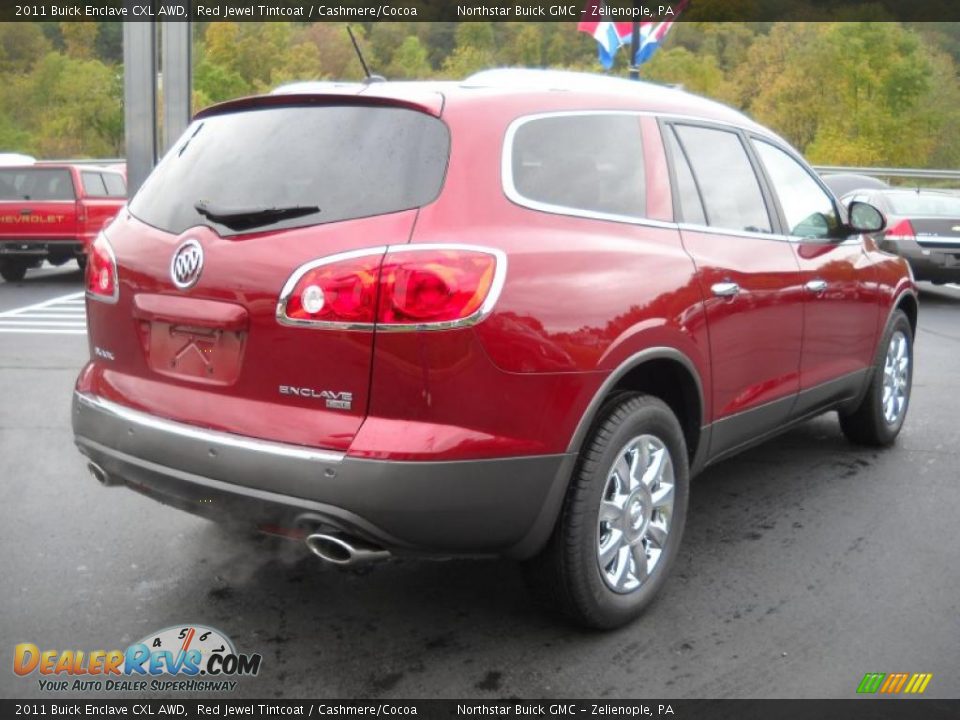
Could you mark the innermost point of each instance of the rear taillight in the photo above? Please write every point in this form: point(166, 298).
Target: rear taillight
point(903, 230)
point(341, 289)
point(403, 287)
point(101, 272)
point(434, 285)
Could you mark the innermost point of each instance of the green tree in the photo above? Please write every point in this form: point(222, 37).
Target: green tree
point(21, 46)
point(410, 61)
point(474, 51)
point(679, 66)
point(336, 56)
point(848, 93)
point(216, 83)
point(79, 39)
point(76, 108)
point(525, 47)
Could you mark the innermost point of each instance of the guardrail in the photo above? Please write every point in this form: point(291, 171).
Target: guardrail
point(883, 172)
point(85, 161)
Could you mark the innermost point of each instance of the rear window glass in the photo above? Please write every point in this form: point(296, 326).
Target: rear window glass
point(348, 161)
point(924, 204)
point(592, 163)
point(35, 184)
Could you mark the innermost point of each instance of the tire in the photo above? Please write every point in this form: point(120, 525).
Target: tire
point(569, 576)
point(877, 421)
point(13, 270)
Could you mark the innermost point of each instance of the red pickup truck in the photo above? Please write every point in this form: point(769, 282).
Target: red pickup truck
point(53, 212)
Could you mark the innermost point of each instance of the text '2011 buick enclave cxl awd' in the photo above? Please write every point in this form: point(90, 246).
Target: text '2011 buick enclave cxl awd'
point(510, 316)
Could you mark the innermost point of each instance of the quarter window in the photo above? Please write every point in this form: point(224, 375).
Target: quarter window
point(691, 207)
point(807, 208)
point(93, 184)
point(592, 163)
point(116, 187)
point(729, 187)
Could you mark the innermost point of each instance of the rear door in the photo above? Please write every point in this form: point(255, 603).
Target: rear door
point(241, 202)
point(37, 204)
point(749, 279)
point(841, 305)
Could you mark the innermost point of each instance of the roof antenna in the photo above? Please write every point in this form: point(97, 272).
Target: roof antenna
point(370, 77)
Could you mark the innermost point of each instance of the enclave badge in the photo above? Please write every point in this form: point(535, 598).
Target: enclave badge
point(187, 264)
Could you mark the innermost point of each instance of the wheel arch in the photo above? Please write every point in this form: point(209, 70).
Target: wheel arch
point(680, 387)
point(908, 303)
point(662, 372)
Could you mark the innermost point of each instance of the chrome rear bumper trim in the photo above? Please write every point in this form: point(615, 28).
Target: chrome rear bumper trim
point(211, 437)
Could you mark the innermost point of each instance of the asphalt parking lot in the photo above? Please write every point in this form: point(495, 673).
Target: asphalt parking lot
point(807, 563)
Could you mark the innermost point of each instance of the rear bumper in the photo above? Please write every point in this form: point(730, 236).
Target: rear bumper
point(42, 248)
point(927, 262)
point(502, 506)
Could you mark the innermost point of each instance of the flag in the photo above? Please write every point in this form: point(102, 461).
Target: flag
point(609, 36)
point(652, 35)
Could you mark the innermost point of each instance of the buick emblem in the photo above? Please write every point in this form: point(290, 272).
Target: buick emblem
point(187, 264)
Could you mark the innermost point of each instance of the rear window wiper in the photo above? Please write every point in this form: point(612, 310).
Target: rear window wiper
point(239, 218)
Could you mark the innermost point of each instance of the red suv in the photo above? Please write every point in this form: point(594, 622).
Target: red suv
point(511, 316)
point(53, 212)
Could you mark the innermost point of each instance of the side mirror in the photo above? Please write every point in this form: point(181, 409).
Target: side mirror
point(865, 218)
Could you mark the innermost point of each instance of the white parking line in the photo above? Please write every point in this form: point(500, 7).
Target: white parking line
point(63, 315)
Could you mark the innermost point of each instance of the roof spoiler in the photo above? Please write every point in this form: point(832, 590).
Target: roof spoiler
point(332, 93)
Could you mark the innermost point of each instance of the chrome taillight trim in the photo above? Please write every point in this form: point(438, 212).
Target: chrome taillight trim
point(291, 284)
point(109, 299)
point(493, 294)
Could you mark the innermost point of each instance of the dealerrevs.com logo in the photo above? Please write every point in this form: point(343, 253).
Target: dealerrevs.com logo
point(197, 657)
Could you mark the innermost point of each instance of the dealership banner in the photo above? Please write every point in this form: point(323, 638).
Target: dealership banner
point(679, 710)
point(478, 10)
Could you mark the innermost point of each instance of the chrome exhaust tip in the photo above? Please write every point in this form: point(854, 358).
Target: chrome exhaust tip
point(100, 475)
point(342, 550)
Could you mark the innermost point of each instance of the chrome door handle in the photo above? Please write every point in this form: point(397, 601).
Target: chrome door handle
point(816, 286)
point(725, 289)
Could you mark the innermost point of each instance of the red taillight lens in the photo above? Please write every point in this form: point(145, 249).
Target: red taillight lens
point(409, 287)
point(903, 230)
point(434, 286)
point(334, 291)
point(101, 272)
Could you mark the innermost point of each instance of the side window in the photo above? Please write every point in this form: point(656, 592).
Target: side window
point(116, 187)
point(691, 207)
point(581, 162)
point(93, 184)
point(807, 207)
point(728, 185)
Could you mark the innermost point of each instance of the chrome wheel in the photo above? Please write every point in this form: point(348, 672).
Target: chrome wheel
point(896, 378)
point(635, 513)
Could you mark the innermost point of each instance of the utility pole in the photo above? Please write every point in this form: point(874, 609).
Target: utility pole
point(635, 43)
point(139, 100)
point(143, 138)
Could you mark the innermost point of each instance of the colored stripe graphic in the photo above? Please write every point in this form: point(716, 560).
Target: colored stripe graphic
point(918, 683)
point(871, 682)
point(894, 683)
